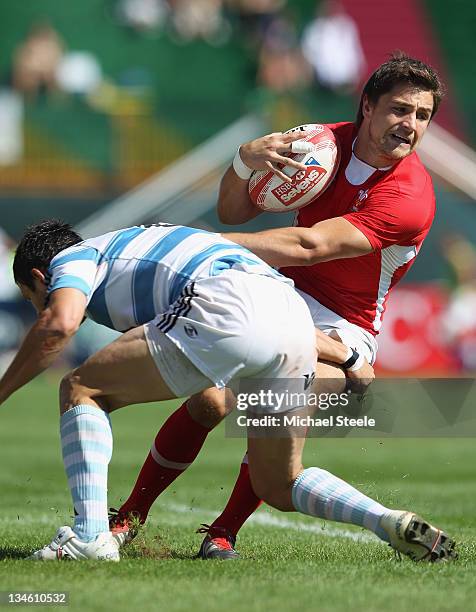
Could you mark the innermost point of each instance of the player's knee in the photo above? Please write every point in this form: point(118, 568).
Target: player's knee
point(73, 391)
point(67, 391)
point(210, 407)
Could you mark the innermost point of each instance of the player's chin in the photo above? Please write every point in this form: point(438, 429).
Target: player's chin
point(400, 152)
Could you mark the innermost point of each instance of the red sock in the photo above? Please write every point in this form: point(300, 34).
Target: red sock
point(175, 448)
point(241, 505)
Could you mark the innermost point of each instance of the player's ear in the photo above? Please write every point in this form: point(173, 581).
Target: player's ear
point(367, 106)
point(38, 275)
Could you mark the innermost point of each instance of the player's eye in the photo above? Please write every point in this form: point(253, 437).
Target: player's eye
point(423, 116)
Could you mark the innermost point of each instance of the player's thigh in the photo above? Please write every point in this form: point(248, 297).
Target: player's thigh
point(274, 464)
point(211, 406)
point(122, 373)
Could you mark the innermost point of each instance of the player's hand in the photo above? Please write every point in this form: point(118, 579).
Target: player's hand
point(359, 380)
point(267, 152)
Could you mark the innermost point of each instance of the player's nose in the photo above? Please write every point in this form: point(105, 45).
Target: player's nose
point(410, 121)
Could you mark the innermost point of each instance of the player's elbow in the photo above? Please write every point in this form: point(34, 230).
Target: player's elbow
point(315, 250)
point(59, 327)
point(224, 216)
point(236, 217)
point(67, 329)
point(67, 326)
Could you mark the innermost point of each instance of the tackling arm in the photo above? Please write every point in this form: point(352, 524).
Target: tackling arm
point(47, 338)
point(305, 246)
point(330, 349)
point(336, 352)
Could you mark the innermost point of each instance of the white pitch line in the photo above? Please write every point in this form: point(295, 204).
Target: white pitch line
point(283, 523)
point(257, 519)
point(34, 519)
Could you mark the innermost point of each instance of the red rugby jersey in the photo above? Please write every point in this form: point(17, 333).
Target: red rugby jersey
point(394, 208)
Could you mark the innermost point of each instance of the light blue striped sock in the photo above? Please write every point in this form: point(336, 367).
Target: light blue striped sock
point(86, 440)
point(320, 493)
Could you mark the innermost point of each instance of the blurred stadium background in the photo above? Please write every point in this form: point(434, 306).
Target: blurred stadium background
point(115, 112)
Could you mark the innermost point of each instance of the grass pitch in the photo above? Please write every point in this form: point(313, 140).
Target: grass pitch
point(289, 562)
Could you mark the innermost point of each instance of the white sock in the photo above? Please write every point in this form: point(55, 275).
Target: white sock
point(86, 440)
point(320, 493)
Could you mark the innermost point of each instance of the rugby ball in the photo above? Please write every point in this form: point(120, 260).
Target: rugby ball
point(272, 194)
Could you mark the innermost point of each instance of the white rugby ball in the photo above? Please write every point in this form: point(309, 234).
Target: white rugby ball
point(271, 193)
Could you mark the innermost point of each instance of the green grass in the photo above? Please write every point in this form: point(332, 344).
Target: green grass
point(289, 562)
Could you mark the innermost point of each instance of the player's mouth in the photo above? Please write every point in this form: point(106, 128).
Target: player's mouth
point(399, 139)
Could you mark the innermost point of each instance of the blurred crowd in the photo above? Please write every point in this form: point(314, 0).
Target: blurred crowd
point(283, 58)
point(459, 320)
point(286, 57)
point(8, 289)
point(327, 52)
point(42, 64)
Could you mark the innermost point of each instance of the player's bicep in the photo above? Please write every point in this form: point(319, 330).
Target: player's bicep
point(67, 307)
point(337, 238)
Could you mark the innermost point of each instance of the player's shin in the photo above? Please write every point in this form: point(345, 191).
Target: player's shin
point(241, 505)
point(86, 440)
point(319, 493)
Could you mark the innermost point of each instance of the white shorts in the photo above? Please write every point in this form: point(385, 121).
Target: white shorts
point(351, 335)
point(232, 326)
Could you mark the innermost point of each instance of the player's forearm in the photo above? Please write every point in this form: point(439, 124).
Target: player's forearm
point(289, 246)
point(359, 373)
point(330, 349)
point(40, 348)
point(234, 205)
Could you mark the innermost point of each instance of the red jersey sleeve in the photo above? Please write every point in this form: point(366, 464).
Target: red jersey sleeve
point(388, 217)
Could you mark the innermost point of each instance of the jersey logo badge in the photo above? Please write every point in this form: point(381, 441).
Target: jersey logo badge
point(361, 197)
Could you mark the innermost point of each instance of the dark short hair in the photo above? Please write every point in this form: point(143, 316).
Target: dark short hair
point(40, 243)
point(401, 69)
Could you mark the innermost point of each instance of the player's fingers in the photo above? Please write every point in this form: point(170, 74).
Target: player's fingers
point(287, 138)
point(273, 140)
point(277, 172)
point(287, 161)
point(284, 146)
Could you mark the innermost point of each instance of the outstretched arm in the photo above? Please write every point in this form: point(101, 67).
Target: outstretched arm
point(234, 205)
point(46, 339)
point(333, 238)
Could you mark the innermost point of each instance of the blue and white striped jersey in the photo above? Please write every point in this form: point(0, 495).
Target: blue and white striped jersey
point(129, 276)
